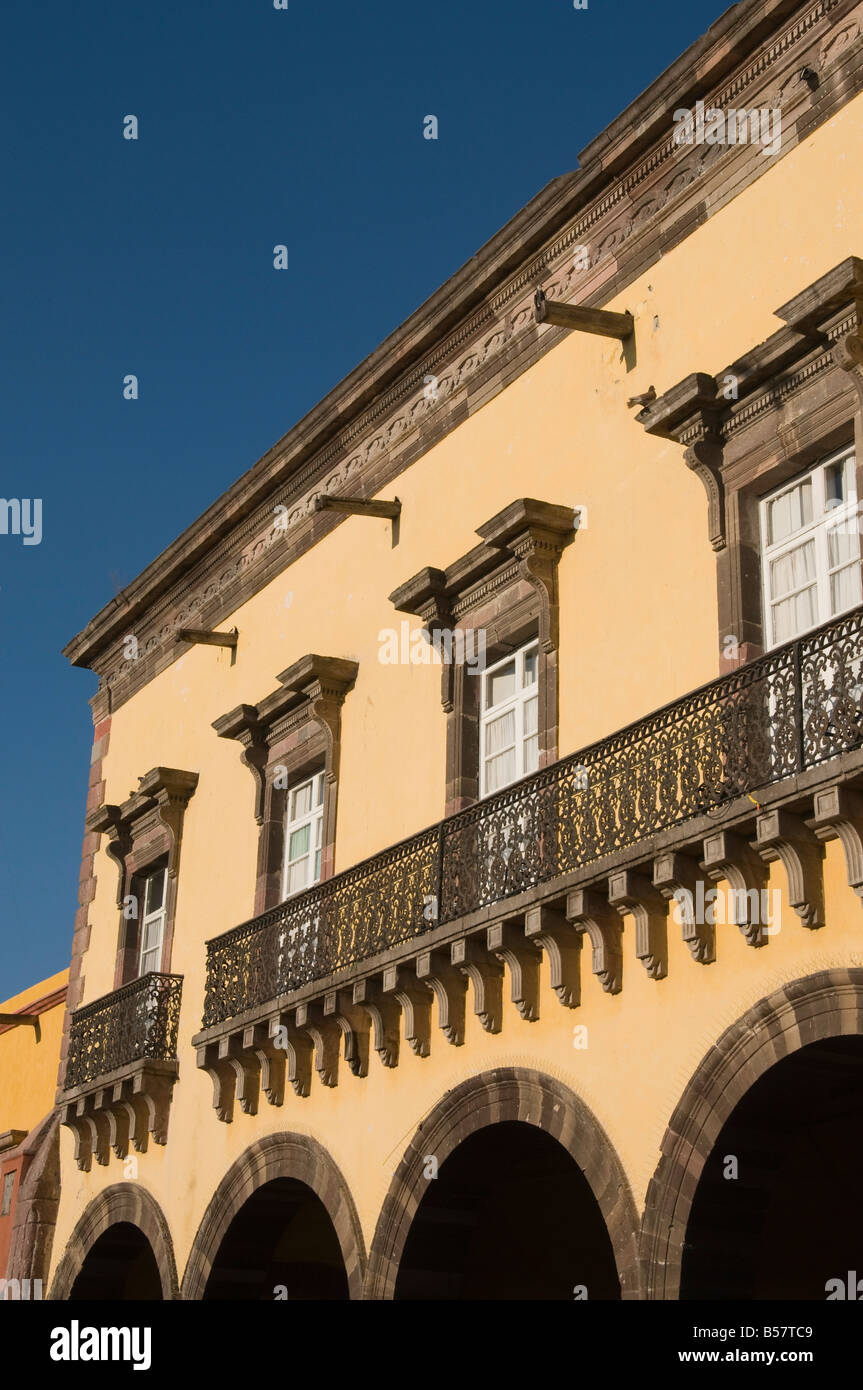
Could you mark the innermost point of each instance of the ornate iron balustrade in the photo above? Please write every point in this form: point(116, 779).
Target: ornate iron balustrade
point(793, 708)
point(137, 1022)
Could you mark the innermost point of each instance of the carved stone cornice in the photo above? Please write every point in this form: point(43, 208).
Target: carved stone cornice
point(158, 805)
point(312, 689)
point(531, 533)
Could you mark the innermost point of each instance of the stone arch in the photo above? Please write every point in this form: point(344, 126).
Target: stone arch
point(277, 1156)
point(817, 1007)
point(126, 1202)
point(37, 1202)
point(507, 1093)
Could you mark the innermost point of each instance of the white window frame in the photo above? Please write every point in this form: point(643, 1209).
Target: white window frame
point(315, 820)
point(824, 519)
point(517, 702)
point(154, 919)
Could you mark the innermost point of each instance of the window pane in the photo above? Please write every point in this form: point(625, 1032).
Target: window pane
point(500, 771)
point(531, 754)
point(794, 615)
point(298, 876)
point(150, 960)
point(834, 485)
point(302, 801)
point(845, 588)
point(530, 667)
point(843, 544)
point(500, 732)
point(500, 685)
point(530, 714)
point(317, 866)
point(792, 570)
point(320, 787)
point(299, 842)
point(790, 511)
point(154, 895)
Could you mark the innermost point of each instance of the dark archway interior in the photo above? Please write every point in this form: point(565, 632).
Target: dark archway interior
point(793, 1218)
point(119, 1266)
point(282, 1238)
point(509, 1216)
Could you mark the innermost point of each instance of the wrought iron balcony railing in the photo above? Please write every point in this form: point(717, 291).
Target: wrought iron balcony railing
point(135, 1023)
point(792, 709)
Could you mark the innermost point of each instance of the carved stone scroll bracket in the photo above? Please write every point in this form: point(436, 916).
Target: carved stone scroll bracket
point(676, 876)
point(548, 928)
point(325, 1035)
point(589, 911)
point(729, 856)
point(838, 814)
point(241, 1060)
point(415, 1001)
point(383, 1010)
point(704, 458)
point(155, 1092)
point(353, 1024)
point(297, 1046)
point(782, 835)
point(224, 1080)
point(124, 1112)
point(848, 355)
point(629, 891)
point(689, 413)
point(449, 987)
point(161, 800)
point(507, 941)
point(271, 1060)
point(485, 973)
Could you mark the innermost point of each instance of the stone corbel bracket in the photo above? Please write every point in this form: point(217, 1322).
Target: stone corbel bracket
point(838, 814)
point(729, 856)
point(589, 911)
point(676, 876)
point(159, 803)
point(507, 941)
point(690, 415)
point(485, 973)
point(784, 836)
point(449, 986)
point(549, 929)
point(629, 891)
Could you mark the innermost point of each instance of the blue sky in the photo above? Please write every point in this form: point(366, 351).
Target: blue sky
point(154, 257)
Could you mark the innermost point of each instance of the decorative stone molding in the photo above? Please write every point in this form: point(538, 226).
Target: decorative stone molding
point(825, 1005)
point(548, 928)
point(485, 973)
point(129, 1202)
point(145, 829)
point(838, 814)
point(263, 1162)
point(284, 738)
point(449, 986)
point(635, 893)
point(728, 856)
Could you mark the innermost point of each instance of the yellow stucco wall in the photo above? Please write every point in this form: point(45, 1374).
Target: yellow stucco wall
point(638, 628)
point(29, 1062)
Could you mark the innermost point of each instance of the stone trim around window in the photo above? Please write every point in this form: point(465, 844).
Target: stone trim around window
point(505, 590)
point(144, 833)
point(771, 414)
point(296, 730)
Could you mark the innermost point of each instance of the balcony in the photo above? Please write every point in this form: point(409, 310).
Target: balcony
point(682, 779)
point(121, 1067)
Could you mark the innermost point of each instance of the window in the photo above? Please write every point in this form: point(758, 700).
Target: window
point(811, 549)
point(8, 1189)
point(153, 886)
point(303, 835)
point(509, 738)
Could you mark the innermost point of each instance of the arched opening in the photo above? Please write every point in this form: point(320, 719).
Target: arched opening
point(120, 1266)
point(510, 1215)
point(280, 1244)
point(776, 1212)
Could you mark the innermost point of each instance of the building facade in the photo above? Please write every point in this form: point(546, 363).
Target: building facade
point(470, 898)
point(31, 1030)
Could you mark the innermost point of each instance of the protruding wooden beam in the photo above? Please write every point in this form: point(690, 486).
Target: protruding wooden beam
point(12, 1020)
point(204, 637)
point(358, 506)
point(604, 322)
